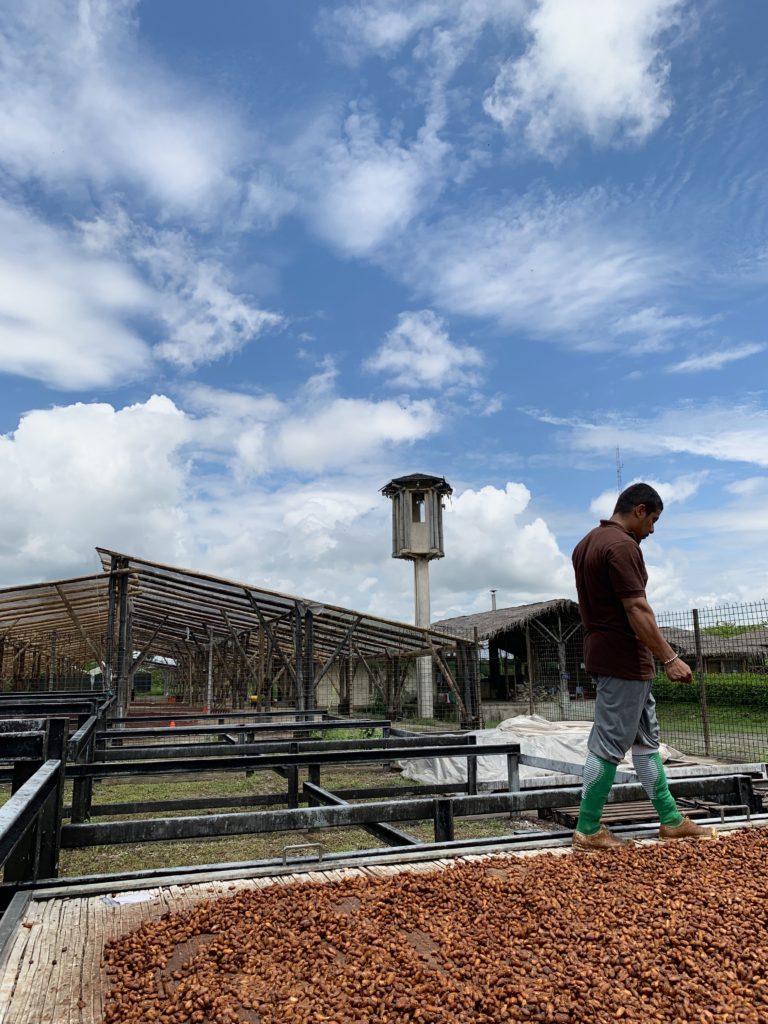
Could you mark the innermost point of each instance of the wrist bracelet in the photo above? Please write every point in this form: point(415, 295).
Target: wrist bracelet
point(669, 662)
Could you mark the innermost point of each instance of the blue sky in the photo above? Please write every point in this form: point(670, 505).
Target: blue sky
point(256, 259)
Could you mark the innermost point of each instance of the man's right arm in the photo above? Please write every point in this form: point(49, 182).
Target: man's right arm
point(644, 626)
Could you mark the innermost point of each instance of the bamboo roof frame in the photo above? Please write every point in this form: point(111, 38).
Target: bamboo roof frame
point(173, 608)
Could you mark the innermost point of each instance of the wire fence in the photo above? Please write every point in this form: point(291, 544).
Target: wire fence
point(724, 713)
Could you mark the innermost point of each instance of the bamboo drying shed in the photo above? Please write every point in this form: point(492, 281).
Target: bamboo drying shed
point(533, 649)
point(222, 639)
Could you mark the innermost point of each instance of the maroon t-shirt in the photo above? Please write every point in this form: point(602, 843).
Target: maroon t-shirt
point(609, 565)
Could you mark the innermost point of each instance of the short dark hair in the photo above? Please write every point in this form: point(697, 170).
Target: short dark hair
point(639, 494)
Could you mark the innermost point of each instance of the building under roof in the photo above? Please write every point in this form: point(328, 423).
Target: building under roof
point(535, 648)
point(225, 638)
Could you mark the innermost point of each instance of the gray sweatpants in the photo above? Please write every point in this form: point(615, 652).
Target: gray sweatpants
point(625, 716)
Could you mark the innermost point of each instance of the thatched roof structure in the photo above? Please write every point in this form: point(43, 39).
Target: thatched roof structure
point(504, 620)
point(751, 643)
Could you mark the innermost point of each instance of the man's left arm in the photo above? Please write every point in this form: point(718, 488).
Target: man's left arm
point(646, 629)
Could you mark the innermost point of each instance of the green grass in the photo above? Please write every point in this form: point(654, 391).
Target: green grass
point(737, 733)
point(138, 856)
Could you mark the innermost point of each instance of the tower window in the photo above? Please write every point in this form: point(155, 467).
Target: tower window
point(418, 509)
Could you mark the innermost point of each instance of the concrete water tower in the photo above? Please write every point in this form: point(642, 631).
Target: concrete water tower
point(417, 535)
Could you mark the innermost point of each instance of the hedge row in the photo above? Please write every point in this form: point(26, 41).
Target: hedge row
point(722, 690)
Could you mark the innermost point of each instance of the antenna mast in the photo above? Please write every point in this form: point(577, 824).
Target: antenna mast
point(619, 467)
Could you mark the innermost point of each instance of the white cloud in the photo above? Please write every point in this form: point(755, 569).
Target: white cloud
point(64, 310)
point(419, 353)
point(715, 360)
point(554, 268)
point(594, 67)
point(734, 432)
point(204, 317)
point(158, 481)
point(383, 27)
point(80, 475)
point(492, 540)
point(671, 492)
point(267, 200)
point(80, 100)
point(348, 430)
point(749, 485)
point(653, 328)
point(313, 432)
point(362, 186)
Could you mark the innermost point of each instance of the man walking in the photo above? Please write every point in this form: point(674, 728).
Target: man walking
point(621, 640)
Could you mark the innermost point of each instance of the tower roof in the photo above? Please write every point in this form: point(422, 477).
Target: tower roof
point(417, 482)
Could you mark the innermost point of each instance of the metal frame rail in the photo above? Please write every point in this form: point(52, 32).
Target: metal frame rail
point(441, 809)
point(30, 821)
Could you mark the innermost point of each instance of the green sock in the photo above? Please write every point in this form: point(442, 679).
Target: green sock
point(650, 772)
point(598, 779)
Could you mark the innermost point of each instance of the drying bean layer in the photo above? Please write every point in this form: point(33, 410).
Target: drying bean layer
point(667, 934)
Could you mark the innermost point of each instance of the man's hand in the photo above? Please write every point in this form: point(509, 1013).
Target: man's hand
point(678, 672)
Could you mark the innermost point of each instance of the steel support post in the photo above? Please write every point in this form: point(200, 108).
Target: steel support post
point(472, 769)
point(20, 866)
point(122, 647)
point(513, 773)
point(443, 819)
point(110, 638)
point(49, 826)
point(308, 669)
point(292, 774)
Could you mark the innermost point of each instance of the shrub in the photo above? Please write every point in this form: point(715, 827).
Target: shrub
point(739, 688)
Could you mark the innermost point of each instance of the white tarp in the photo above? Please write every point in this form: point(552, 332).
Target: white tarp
point(559, 741)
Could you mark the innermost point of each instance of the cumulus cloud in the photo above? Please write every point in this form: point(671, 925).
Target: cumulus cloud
point(80, 475)
point(418, 352)
point(81, 101)
point(715, 360)
point(65, 311)
point(312, 432)
point(187, 486)
point(593, 67)
point(492, 540)
point(350, 429)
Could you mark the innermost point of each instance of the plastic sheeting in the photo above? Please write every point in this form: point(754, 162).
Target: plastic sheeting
point(560, 741)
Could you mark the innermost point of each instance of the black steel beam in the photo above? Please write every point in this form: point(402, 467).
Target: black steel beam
point(78, 886)
point(252, 715)
point(257, 727)
point(20, 811)
point(241, 762)
point(79, 740)
point(131, 753)
point(22, 746)
point(159, 829)
point(21, 709)
point(190, 804)
point(391, 836)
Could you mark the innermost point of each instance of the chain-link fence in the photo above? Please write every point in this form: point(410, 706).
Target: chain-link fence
point(724, 713)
